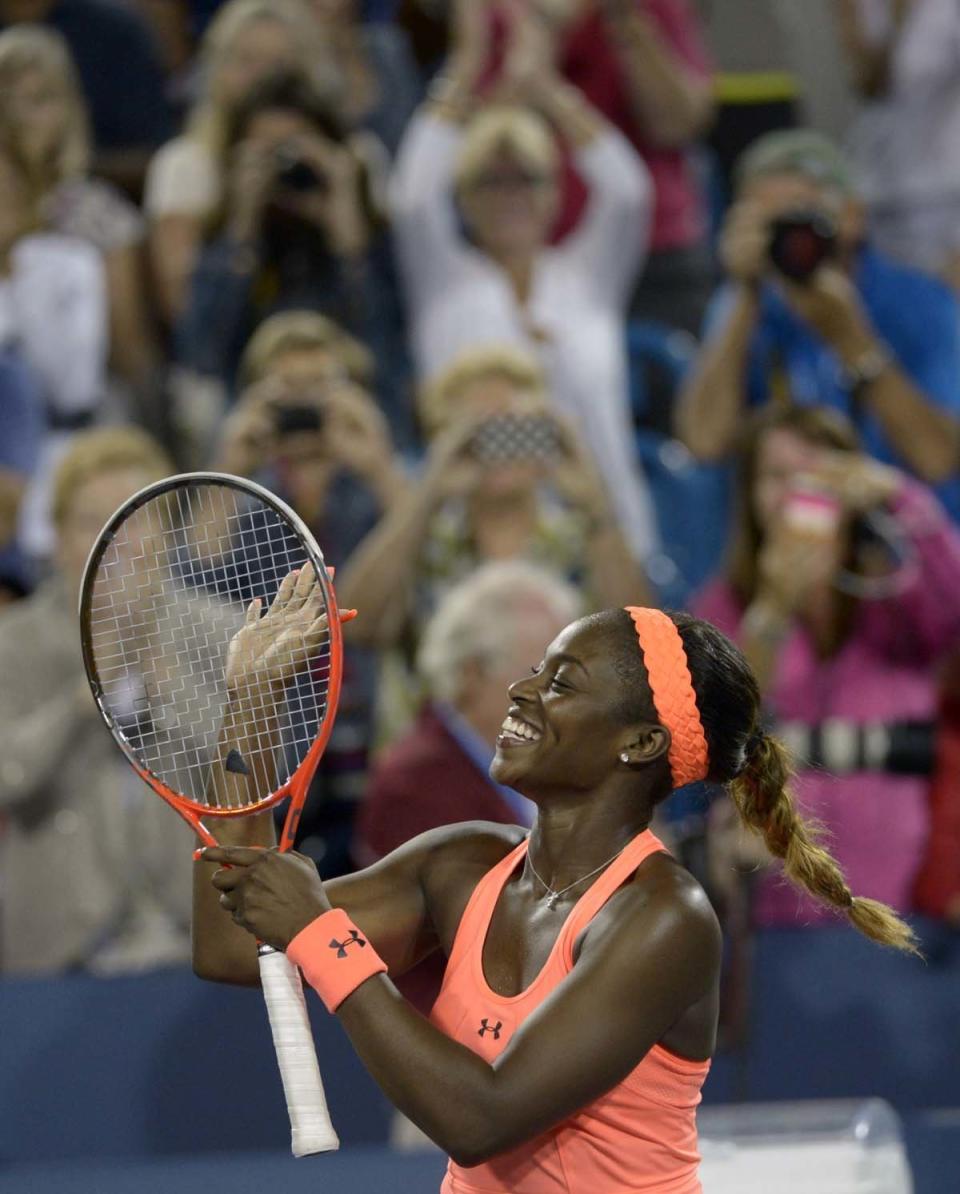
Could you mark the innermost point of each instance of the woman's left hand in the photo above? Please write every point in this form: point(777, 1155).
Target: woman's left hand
point(336, 205)
point(859, 481)
point(271, 895)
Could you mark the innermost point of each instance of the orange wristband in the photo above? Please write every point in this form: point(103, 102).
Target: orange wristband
point(334, 956)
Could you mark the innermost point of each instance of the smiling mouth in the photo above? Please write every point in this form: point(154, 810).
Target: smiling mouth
point(515, 732)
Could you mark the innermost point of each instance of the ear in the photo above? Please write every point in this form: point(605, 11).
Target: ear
point(645, 744)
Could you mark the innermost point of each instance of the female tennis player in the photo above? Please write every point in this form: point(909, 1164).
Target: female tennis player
point(572, 1035)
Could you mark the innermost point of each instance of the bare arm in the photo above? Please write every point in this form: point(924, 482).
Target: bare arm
point(712, 399)
point(379, 575)
point(587, 1036)
point(133, 348)
point(869, 59)
point(174, 243)
point(671, 103)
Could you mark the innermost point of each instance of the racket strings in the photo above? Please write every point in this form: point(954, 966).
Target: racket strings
point(173, 590)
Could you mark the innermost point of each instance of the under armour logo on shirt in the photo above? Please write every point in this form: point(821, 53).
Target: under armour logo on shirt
point(341, 946)
point(485, 1027)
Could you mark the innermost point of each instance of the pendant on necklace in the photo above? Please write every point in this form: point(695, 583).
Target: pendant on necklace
point(552, 900)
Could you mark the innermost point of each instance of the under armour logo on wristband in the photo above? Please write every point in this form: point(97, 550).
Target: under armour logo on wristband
point(487, 1027)
point(342, 946)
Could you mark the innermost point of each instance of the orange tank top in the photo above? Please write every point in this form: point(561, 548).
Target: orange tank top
point(639, 1136)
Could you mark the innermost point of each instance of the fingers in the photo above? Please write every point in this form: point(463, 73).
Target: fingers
point(285, 592)
point(253, 612)
point(235, 856)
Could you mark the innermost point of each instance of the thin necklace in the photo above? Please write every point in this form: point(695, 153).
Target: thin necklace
point(553, 896)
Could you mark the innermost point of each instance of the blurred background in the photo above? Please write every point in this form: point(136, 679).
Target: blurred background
point(529, 308)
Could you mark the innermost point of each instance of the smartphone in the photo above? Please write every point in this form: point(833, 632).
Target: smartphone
point(291, 418)
point(503, 438)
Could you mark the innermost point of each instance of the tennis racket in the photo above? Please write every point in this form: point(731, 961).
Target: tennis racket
point(211, 640)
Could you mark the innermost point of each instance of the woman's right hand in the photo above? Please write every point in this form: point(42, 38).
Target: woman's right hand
point(451, 469)
point(745, 242)
point(792, 565)
point(250, 180)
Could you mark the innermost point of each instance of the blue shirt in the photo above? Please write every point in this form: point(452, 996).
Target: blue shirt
point(916, 317)
point(481, 755)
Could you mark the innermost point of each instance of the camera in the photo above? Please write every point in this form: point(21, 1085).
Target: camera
point(800, 241)
point(290, 419)
point(294, 174)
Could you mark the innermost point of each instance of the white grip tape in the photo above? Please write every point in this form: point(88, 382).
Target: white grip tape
point(311, 1129)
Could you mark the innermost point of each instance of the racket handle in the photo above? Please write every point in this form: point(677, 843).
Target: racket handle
point(310, 1126)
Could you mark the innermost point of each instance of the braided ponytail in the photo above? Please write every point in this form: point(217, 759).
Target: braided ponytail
point(760, 793)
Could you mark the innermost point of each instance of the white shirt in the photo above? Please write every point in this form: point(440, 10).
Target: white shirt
point(54, 311)
point(905, 145)
point(574, 321)
point(182, 179)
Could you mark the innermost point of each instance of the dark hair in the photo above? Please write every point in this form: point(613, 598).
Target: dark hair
point(752, 765)
point(820, 425)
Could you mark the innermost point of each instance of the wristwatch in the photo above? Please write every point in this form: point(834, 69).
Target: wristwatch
point(865, 370)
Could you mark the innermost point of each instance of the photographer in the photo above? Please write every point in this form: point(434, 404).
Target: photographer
point(325, 449)
point(506, 478)
point(298, 229)
point(841, 591)
point(812, 306)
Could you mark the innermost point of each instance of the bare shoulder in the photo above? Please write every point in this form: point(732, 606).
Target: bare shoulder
point(467, 844)
point(663, 904)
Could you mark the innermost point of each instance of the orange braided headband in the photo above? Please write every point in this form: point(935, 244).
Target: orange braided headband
point(673, 695)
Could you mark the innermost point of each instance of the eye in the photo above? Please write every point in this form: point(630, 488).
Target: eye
point(558, 685)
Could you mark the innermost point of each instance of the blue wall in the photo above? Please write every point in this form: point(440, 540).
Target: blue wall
point(166, 1066)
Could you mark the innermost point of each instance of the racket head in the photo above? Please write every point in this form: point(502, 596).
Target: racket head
point(167, 585)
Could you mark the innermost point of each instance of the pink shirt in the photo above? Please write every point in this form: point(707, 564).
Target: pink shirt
point(878, 823)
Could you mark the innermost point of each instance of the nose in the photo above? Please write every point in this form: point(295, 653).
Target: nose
point(519, 690)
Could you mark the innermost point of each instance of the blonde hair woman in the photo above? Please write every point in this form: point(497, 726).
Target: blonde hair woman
point(476, 195)
point(247, 40)
point(45, 129)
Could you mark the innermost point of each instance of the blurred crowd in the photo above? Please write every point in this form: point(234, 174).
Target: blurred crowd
point(528, 308)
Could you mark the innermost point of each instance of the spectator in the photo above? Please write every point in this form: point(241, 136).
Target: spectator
point(304, 347)
point(322, 446)
point(45, 124)
point(841, 591)
point(119, 66)
point(642, 64)
point(876, 340)
point(487, 629)
point(505, 479)
point(22, 425)
point(377, 79)
point(299, 230)
point(248, 40)
point(73, 806)
point(53, 313)
point(501, 282)
point(904, 57)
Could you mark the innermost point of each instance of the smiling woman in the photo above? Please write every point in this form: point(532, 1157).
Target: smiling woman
point(574, 1029)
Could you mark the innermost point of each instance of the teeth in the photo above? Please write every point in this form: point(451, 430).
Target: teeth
point(520, 729)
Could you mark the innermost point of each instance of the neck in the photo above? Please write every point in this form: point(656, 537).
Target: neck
point(501, 525)
point(567, 842)
point(518, 266)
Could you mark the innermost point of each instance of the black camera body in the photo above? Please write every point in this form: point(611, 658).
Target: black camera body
point(294, 174)
point(291, 418)
point(800, 242)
